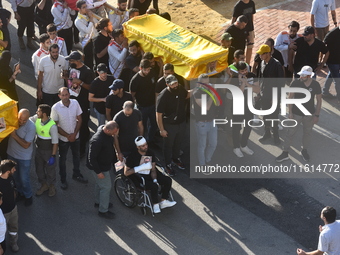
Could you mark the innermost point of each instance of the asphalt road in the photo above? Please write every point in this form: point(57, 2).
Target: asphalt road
point(213, 216)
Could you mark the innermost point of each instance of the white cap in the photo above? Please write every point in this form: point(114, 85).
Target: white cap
point(306, 70)
point(140, 140)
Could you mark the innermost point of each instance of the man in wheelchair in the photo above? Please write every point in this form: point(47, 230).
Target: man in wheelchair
point(141, 163)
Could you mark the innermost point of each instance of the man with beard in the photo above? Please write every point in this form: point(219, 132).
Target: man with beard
point(67, 115)
point(133, 60)
point(170, 116)
point(308, 121)
point(120, 15)
point(307, 49)
point(117, 52)
point(156, 66)
point(79, 90)
point(49, 76)
point(282, 42)
point(9, 207)
point(114, 102)
point(102, 41)
point(41, 52)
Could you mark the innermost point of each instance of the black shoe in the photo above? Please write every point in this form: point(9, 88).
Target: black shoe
point(106, 215)
point(97, 205)
point(284, 156)
point(20, 197)
point(170, 170)
point(178, 163)
point(265, 137)
point(80, 179)
point(28, 201)
point(305, 155)
point(64, 185)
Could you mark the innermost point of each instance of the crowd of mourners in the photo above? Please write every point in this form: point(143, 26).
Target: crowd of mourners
point(140, 103)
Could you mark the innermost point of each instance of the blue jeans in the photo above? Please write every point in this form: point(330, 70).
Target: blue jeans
point(63, 149)
point(22, 176)
point(100, 117)
point(334, 73)
point(149, 114)
point(206, 132)
point(102, 191)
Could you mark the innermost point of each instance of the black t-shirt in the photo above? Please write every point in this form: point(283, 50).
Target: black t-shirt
point(172, 105)
point(239, 37)
point(144, 88)
point(100, 42)
point(132, 61)
point(100, 89)
point(248, 10)
point(231, 52)
point(134, 159)
point(4, 15)
point(7, 188)
point(143, 7)
point(314, 88)
point(332, 39)
point(115, 103)
point(161, 84)
point(308, 55)
point(128, 129)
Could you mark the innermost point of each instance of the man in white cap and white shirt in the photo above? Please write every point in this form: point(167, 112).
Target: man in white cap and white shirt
point(142, 161)
point(305, 81)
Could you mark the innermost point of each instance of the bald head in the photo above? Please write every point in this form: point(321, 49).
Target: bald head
point(23, 116)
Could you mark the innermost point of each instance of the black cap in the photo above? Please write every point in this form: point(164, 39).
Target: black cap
point(117, 84)
point(75, 55)
point(102, 68)
point(308, 30)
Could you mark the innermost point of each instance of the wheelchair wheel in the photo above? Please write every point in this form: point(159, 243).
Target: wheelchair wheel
point(126, 191)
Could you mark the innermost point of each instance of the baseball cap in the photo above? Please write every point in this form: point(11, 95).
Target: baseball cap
point(306, 70)
point(264, 48)
point(102, 68)
point(308, 30)
point(170, 79)
point(75, 55)
point(227, 37)
point(117, 84)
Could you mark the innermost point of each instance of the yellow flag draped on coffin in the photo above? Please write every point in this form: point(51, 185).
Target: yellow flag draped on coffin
point(191, 54)
point(8, 115)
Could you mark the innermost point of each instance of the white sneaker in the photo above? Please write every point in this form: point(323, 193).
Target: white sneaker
point(238, 152)
point(246, 150)
point(256, 119)
point(156, 208)
point(167, 203)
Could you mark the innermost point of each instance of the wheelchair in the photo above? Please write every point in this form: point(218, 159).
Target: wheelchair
point(131, 195)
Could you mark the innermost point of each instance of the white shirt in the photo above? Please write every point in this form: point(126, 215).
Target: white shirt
point(3, 226)
point(329, 239)
point(52, 80)
point(320, 9)
point(282, 43)
point(39, 54)
point(61, 15)
point(118, 19)
point(87, 30)
point(62, 46)
point(117, 56)
point(66, 117)
point(21, 3)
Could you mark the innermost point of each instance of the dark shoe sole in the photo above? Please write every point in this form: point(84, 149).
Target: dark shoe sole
point(97, 205)
point(106, 215)
point(283, 159)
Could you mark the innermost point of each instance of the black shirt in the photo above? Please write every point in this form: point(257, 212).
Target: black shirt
point(314, 88)
point(100, 42)
point(248, 10)
point(144, 88)
point(143, 7)
point(115, 103)
point(128, 129)
point(308, 55)
point(4, 15)
point(239, 37)
point(135, 158)
point(131, 62)
point(7, 187)
point(101, 152)
point(332, 40)
point(100, 89)
point(172, 105)
point(161, 84)
point(231, 52)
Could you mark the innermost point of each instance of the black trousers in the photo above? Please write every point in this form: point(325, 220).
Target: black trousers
point(84, 132)
point(172, 143)
point(164, 181)
point(88, 52)
point(26, 21)
point(68, 37)
point(265, 105)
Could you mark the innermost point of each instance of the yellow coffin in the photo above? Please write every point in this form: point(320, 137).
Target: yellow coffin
point(191, 54)
point(8, 115)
